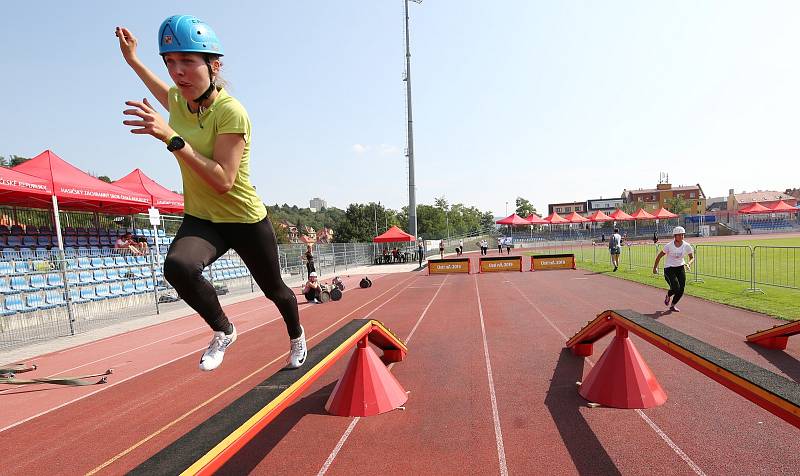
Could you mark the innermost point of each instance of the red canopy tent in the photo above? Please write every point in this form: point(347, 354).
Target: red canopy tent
point(599, 216)
point(76, 190)
point(513, 219)
point(392, 235)
point(164, 199)
point(642, 214)
point(18, 188)
point(535, 219)
point(783, 207)
point(755, 209)
point(575, 217)
point(555, 219)
point(663, 213)
point(619, 215)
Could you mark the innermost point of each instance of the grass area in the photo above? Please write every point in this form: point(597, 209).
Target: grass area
point(723, 271)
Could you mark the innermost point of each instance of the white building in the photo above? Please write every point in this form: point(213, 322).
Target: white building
point(317, 204)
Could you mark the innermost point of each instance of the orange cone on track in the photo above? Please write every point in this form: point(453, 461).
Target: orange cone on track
point(621, 378)
point(367, 387)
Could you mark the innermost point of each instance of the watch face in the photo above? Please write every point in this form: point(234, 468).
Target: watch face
point(176, 143)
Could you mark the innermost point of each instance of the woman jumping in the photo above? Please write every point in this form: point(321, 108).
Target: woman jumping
point(209, 134)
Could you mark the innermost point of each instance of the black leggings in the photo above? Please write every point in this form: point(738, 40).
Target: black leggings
point(201, 242)
point(676, 277)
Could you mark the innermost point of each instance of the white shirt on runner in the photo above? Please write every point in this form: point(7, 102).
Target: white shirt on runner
point(675, 254)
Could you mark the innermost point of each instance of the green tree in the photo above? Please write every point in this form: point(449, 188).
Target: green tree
point(105, 178)
point(677, 205)
point(524, 207)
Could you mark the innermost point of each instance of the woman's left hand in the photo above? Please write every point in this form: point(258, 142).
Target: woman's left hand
point(151, 121)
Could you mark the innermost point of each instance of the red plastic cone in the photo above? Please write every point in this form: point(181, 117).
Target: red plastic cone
point(621, 378)
point(367, 387)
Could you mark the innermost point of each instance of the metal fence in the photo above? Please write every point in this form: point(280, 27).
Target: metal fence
point(49, 295)
point(776, 266)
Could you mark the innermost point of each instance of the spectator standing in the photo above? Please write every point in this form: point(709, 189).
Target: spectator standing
point(675, 266)
point(309, 260)
point(441, 249)
point(420, 250)
point(460, 247)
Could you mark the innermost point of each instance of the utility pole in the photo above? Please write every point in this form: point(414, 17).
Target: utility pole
point(412, 197)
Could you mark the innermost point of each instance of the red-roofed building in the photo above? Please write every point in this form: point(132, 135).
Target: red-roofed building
point(768, 198)
point(655, 198)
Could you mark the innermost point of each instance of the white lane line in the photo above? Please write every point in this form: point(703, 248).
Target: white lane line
point(498, 433)
point(110, 385)
point(355, 421)
point(678, 451)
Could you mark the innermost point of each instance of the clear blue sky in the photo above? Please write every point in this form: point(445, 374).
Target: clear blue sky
point(552, 101)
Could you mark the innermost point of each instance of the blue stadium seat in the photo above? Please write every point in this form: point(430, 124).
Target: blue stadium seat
point(45, 230)
point(28, 240)
point(92, 231)
point(80, 230)
point(120, 261)
point(131, 260)
point(3, 241)
point(146, 232)
point(69, 230)
point(10, 254)
point(6, 268)
point(38, 281)
point(105, 241)
point(161, 232)
point(36, 301)
point(5, 287)
point(54, 297)
point(14, 303)
point(83, 251)
point(22, 267)
point(20, 283)
point(102, 291)
point(94, 240)
point(140, 286)
point(108, 261)
point(70, 240)
point(112, 274)
point(102, 231)
point(99, 275)
point(26, 253)
point(96, 262)
point(4, 230)
point(54, 280)
point(137, 272)
point(128, 287)
point(116, 290)
point(84, 263)
point(75, 296)
point(14, 240)
point(72, 263)
point(149, 284)
point(42, 253)
point(72, 279)
point(31, 230)
point(69, 251)
point(88, 294)
point(83, 240)
point(141, 260)
point(85, 277)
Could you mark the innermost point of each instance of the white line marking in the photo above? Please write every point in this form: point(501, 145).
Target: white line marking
point(647, 420)
point(498, 433)
point(355, 421)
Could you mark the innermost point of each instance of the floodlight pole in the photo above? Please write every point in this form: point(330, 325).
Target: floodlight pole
point(412, 198)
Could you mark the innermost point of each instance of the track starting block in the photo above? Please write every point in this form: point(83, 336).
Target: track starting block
point(367, 388)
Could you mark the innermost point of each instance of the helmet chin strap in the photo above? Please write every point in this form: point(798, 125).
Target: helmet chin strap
point(200, 99)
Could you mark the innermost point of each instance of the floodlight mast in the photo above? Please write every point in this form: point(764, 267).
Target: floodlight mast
point(412, 197)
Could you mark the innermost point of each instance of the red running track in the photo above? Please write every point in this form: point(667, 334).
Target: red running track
point(492, 390)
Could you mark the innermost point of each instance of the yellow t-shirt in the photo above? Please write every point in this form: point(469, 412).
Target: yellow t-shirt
point(241, 204)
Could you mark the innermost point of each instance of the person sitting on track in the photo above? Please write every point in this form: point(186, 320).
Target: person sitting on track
point(312, 289)
point(209, 134)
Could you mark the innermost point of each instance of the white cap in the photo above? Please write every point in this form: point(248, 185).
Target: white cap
point(313, 273)
point(678, 230)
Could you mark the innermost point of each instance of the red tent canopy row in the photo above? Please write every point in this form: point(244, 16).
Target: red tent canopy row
point(535, 219)
point(619, 215)
point(162, 198)
point(642, 214)
point(17, 188)
point(755, 209)
point(783, 207)
point(663, 214)
point(599, 216)
point(574, 217)
point(393, 234)
point(556, 219)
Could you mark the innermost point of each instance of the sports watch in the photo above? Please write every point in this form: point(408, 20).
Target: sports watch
point(176, 143)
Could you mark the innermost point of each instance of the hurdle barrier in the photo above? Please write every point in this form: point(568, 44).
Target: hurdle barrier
point(776, 337)
point(449, 266)
point(494, 264)
point(622, 379)
point(367, 388)
point(555, 261)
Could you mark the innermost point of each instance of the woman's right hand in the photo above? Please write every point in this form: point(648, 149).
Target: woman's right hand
point(127, 44)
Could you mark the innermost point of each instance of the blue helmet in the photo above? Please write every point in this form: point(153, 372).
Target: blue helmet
point(187, 34)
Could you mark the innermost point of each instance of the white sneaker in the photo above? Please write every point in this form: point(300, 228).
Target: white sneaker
point(317, 301)
point(298, 351)
point(212, 357)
